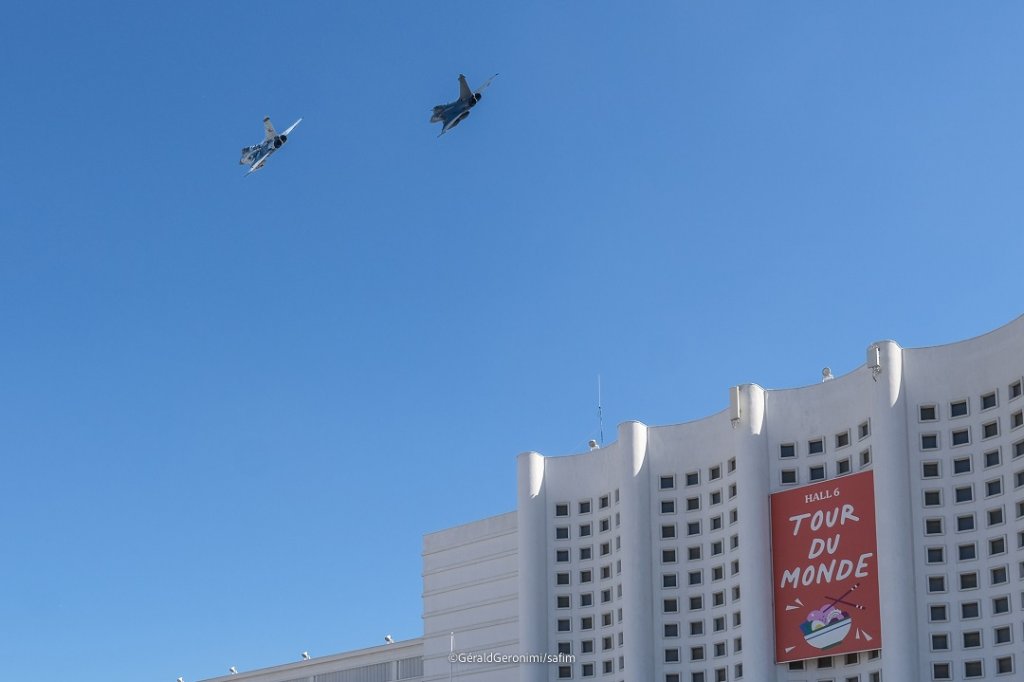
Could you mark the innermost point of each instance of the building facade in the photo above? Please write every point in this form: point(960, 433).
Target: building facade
point(650, 559)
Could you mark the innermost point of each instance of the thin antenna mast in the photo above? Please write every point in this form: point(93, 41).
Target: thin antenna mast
point(600, 414)
point(451, 657)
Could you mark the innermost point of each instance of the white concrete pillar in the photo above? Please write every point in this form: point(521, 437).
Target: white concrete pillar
point(534, 602)
point(753, 481)
point(638, 608)
point(894, 529)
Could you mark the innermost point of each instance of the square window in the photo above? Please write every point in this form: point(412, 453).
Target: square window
point(936, 583)
point(586, 599)
point(842, 439)
point(715, 497)
point(817, 473)
point(863, 431)
point(562, 555)
point(667, 482)
point(1018, 449)
point(717, 573)
point(927, 413)
point(692, 478)
point(824, 662)
point(561, 578)
point(692, 503)
point(990, 429)
point(958, 408)
point(961, 437)
point(732, 464)
point(998, 575)
point(865, 458)
point(718, 624)
point(696, 628)
point(586, 553)
point(564, 625)
point(696, 603)
point(992, 458)
point(671, 655)
point(962, 465)
point(584, 507)
point(929, 441)
point(1000, 605)
point(968, 581)
point(587, 623)
point(997, 546)
point(941, 671)
point(671, 630)
point(1017, 419)
point(1004, 664)
point(787, 450)
point(936, 555)
point(988, 401)
point(973, 669)
point(967, 552)
point(940, 642)
point(584, 530)
point(670, 580)
point(604, 502)
point(930, 470)
point(716, 548)
point(969, 610)
point(693, 528)
point(668, 506)
point(843, 467)
point(716, 522)
point(717, 598)
point(1015, 389)
point(697, 653)
point(964, 493)
point(852, 659)
point(816, 446)
point(933, 526)
point(995, 517)
point(562, 601)
point(714, 473)
point(965, 523)
point(668, 556)
point(994, 487)
point(561, 509)
point(788, 476)
point(933, 498)
point(1002, 634)
point(938, 613)
point(586, 576)
point(562, 532)
point(668, 531)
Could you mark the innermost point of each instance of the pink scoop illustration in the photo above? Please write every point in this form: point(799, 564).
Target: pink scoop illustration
point(827, 626)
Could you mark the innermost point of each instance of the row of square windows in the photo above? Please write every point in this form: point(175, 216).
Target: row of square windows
point(966, 523)
point(960, 437)
point(961, 408)
point(932, 497)
point(690, 504)
point(965, 465)
point(585, 530)
point(970, 610)
point(816, 446)
point(970, 639)
point(565, 672)
point(973, 669)
point(968, 580)
point(692, 478)
point(968, 551)
point(829, 662)
point(665, 482)
point(818, 472)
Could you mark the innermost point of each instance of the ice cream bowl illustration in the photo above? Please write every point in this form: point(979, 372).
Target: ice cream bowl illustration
point(826, 636)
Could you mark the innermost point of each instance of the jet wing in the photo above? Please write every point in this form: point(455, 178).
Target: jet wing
point(292, 127)
point(271, 133)
point(465, 94)
point(486, 83)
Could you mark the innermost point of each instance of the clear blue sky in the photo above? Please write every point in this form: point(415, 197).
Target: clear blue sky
point(230, 407)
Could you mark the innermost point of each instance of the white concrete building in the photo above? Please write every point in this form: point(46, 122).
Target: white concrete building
point(650, 559)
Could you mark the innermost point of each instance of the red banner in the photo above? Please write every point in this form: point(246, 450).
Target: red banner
point(825, 569)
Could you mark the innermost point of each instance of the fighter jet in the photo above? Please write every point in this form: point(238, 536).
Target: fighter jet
point(452, 114)
point(258, 154)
